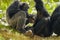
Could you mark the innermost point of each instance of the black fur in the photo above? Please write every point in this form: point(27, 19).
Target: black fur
point(16, 15)
point(13, 9)
point(24, 7)
point(42, 28)
point(42, 23)
point(55, 15)
point(55, 21)
point(41, 12)
point(30, 18)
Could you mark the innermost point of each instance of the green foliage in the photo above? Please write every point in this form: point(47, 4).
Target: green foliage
point(56, 0)
point(1, 38)
point(51, 1)
point(50, 7)
point(1, 15)
point(4, 4)
point(1, 26)
point(44, 0)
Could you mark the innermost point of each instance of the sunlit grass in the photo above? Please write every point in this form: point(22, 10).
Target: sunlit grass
point(10, 34)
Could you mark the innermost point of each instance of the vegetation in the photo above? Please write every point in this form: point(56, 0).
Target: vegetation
point(7, 33)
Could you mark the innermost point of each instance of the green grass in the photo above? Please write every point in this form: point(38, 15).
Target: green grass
point(7, 33)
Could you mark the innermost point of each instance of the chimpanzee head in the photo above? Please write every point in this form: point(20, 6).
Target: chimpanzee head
point(31, 18)
point(24, 6)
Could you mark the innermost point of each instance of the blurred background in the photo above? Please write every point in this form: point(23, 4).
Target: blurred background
point(50, 5)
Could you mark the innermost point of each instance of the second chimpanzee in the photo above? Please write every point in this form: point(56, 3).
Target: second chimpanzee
point(42, 23)
point(55, 21)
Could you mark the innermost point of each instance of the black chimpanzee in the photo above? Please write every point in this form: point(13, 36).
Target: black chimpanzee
point(55, 21)
point(16, 15)
point(31, 18)
point(41, 12)
point(42, 23)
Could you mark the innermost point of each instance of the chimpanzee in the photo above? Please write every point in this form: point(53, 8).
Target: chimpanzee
point(31, 18)
point(16, 15)
point(55, 21)
point(41, 11)
point(42, 22)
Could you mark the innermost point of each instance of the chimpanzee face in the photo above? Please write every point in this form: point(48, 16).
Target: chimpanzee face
point(31, 20)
